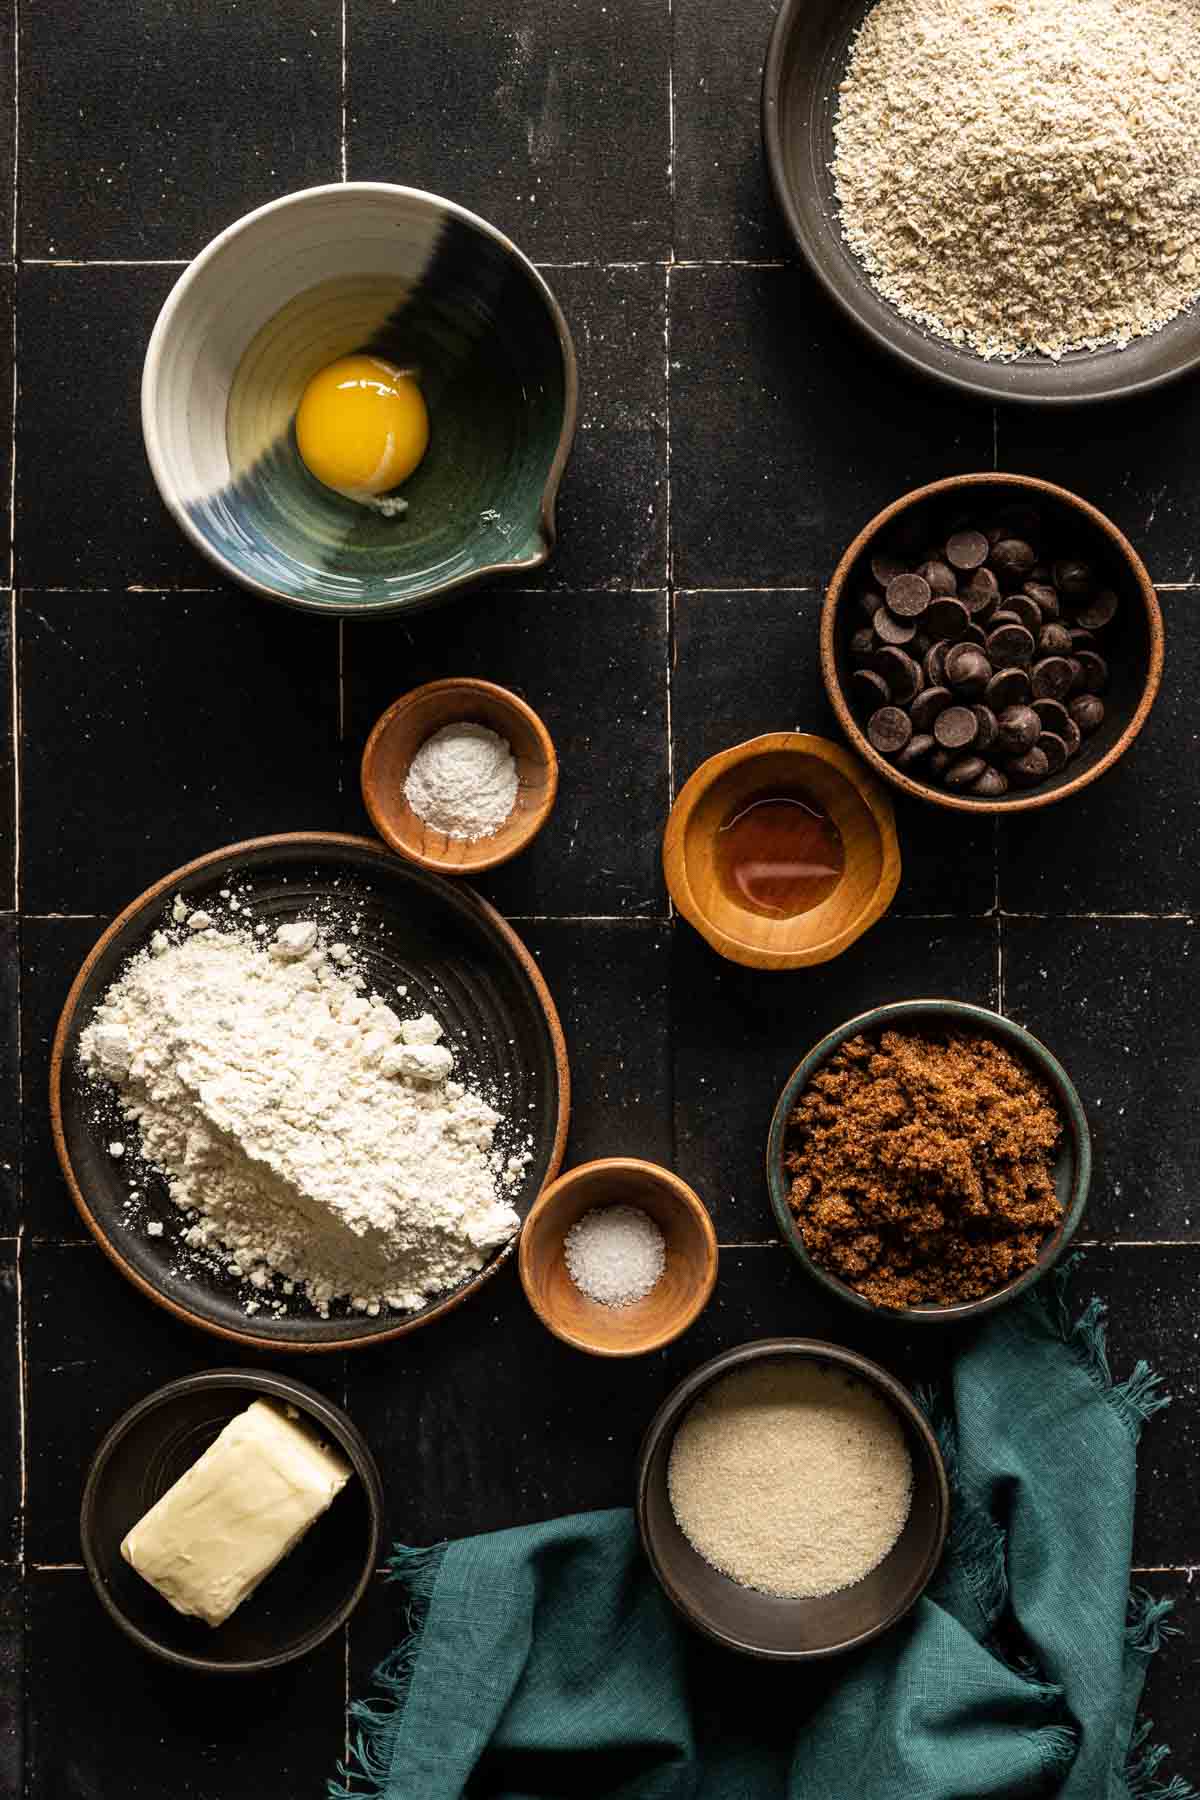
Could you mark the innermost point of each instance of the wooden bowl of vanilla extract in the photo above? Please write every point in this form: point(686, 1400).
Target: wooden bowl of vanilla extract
point(782, 851)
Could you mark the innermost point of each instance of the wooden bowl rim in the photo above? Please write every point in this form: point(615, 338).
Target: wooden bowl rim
point(329, 1415)
point(874, 797)
point(323, 841)
point(662, 1177)
point(665, 1421)
point(949, 485)
point(983, 1019)
point(534, 819)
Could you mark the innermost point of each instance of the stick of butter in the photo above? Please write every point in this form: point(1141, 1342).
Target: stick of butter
point(235, 1513)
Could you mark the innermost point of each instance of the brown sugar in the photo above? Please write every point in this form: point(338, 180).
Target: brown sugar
point(922, 1166)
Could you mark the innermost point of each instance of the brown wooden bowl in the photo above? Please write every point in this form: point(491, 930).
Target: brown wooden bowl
point(782, 1630)
point(1136, 635)
point(780, 762)
point(399, 734)
point(681, 1292)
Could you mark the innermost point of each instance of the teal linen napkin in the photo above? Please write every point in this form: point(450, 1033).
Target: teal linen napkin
point(545, 1661)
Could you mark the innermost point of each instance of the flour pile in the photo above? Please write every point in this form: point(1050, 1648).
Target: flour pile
point(314, 1138)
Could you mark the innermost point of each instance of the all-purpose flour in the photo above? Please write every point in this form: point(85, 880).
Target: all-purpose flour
point(315, 1138)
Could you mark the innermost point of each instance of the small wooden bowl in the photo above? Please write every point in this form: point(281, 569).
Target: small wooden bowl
point(413, 719)
point(778, 763)
point(1136, 636)
point(682, 1291)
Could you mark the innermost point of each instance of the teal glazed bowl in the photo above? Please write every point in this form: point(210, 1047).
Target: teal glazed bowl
point(1072, 1170)
point(402, 275)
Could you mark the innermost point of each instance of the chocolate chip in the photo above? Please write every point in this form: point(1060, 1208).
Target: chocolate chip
point(989, 728)
point(901, 673)
point(1098, 610)
point(1028, 770)
point(885, 567)
point(889, 730)
point(915, 750)
point(1071, 736)
point(1019, 728)
point(869, 688)
point(1004, 616)
point(863, 642)
point(1088, 713)
point(1072, 576)
point(1044, 597)
point(956, 728)
point(947, 618)
point(939, 761)
point(967, 550)
point(967, 669)
point(869, 602)
point(974, 634)
point(1082, 639)
point(928, 704)
point(1095, 671)
point(979, 602)
point(940, 576)
point(889, 629)
point(1054, 640)
point(991, 784)
point(1010, 644)
point(1054, 716)
point(920, 644)
point(935, 663)
point(1054, 749)
point(1027, 611)
point(1051, 678)
point(1008, 687)
point(907, 595)
point(1013, 558)
point(964, 772)
point(1076, 686)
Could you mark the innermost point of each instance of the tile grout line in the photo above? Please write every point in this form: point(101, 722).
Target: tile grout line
point(15, 733)
point(1000, 965)
point(22, 1414)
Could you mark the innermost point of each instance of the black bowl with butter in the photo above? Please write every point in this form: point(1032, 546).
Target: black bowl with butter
point(306, 1598)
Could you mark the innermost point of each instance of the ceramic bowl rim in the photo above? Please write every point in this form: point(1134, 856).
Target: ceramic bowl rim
point(874, 797)
point(365, 609)
point(1031, 1049)
point(691, 1204)
point(466, 685)
point(1035, 799)
point(327, 842)
point(665, 1422)
point(335, 1421)
point(979, 388)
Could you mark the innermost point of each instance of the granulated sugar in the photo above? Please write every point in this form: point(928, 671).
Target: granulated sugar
point(615, 1254)
point(1025, 177)
point(791, 1478)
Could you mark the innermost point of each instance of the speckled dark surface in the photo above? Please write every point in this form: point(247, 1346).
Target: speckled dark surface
point(732, 439)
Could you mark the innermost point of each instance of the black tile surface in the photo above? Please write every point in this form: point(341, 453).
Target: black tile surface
point(93, 1347)
point(1173, 1677)
point(51, 953)
point(8, 293)
point(508, 117)
point(1126, 843)
point(747, 663)
point(12, 1683)
point(87, 510)
point(739, 1033)
point(8, 762)
point(594, 667)
point(10, 1410)
point(723, 201)
point(779, 420)
point(104, 1719)
point(154, 769)
point(8, 125)
point(10, 1075)
point(140, 102)
point(1097, 992)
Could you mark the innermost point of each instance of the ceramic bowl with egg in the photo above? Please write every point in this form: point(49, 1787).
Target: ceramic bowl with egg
point(361, 398)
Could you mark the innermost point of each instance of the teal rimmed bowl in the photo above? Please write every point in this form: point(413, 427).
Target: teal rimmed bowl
point(1072, 1170)
point(418, 281)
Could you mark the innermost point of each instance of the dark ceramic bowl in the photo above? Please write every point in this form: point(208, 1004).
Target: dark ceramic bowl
point(806, 62)
point(302, 1602)
point(1072, 1169)
point(764, 1625)
point(1133, 643)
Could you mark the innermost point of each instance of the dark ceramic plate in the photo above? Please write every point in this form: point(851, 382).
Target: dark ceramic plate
point(764, 1625)
point(806, 61)
point(458, 959)
point(312, 1592)
point(1072, 1168)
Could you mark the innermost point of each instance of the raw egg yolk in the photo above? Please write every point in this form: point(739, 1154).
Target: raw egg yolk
point(362, 426)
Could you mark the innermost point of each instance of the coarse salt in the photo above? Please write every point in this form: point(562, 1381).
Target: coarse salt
point(615, 1254)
